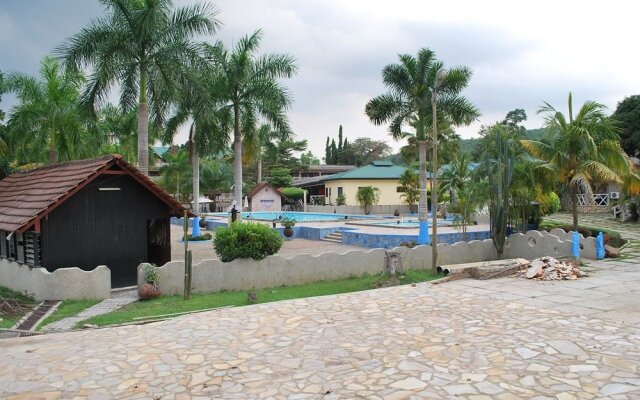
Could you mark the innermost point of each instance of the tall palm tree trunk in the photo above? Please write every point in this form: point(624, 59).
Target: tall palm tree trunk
point(237, 161)
point(574, 208)
point(195, 165)
point(259, 167)
point(143, 125)
point(423, 212)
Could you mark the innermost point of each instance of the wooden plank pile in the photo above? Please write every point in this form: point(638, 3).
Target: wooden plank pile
point(551, 269)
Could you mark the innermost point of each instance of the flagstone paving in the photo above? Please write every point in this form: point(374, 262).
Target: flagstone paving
point(464, 339)
point(506, 338)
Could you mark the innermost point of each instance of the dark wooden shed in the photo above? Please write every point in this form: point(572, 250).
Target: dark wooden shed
point(84, 214)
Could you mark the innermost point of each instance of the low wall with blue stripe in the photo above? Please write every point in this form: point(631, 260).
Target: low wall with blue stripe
point(389, 241)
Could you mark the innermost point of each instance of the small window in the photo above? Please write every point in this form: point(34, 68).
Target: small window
point(340, 191)
point(400, 189)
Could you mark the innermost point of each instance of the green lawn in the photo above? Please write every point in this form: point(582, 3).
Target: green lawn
point(9, 321)
point(67, 308)
point(175, 304)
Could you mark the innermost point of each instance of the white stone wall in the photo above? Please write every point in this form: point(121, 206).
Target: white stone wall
point(273, 271)
point(61, 284)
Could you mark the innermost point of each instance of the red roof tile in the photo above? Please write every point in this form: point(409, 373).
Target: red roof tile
point(26, 197)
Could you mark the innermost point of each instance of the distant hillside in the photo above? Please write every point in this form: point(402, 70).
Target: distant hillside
point(469, 145)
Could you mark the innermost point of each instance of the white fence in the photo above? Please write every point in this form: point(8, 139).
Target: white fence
point(61, 284)
point(273, 271)
point(585, 200)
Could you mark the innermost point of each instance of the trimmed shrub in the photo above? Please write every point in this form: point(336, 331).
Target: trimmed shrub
point(549, 203)
point(293, 193)
point(246, 240)
point(340, 200)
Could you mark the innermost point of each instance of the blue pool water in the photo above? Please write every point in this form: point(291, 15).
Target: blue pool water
point(411, 223)
point(298, 216)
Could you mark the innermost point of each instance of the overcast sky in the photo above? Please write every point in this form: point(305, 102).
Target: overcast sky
point(521, 54)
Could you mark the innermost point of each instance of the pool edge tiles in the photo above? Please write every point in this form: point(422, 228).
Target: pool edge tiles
point(304, 216)
point(388, 241)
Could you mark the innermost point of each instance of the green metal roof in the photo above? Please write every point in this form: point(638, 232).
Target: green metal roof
point(375, 170)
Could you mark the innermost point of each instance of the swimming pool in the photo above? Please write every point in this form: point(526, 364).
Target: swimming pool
point(411, 224)
point(298, 216)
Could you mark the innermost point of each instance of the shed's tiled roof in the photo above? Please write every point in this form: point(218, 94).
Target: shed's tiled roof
point(263, 185)
point(27, 196)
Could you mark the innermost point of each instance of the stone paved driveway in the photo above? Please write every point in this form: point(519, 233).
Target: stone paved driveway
point(499, 339)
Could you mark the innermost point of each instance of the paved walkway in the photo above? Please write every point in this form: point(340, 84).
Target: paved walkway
point(104, 307)
point(499, 339)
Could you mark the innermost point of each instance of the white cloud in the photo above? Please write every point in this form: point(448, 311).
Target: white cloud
point(522, 53)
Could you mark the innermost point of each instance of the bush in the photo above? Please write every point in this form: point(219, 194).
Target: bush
point(340, 200)
point(206, 236)
point(549, 203)
point(150, 274)
point(293, 193)
point(288, 222)
point(246, 240)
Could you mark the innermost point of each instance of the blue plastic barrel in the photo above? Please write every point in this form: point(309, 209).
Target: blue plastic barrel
point(575, 244)
point(600, 246)
point(195, 231)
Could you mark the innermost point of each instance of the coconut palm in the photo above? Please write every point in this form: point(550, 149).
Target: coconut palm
point(117, 129)
point(367, 196)
point(197, 101)
point(174, 172)
point(255, 142)
point(143, 46)
point(411, 85)
point(249, 86)
point(409, 182)
point(582, 148)
point(457, 174)
point(46, 118)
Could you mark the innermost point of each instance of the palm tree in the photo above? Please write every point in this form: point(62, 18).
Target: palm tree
point(47, 114)
point(198, 102)
point(143, 46)
point(582, 149)
point(249, 86)
point(118, 130)
point(255, 141)
point(175, 172)
point(409, 182)
point(367, 196)
point(458, 174)
point(411, 85)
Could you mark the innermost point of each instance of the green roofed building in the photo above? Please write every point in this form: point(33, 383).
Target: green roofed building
point(383, 175)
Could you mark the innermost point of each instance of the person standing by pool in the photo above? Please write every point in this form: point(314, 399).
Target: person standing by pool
point(234, 212)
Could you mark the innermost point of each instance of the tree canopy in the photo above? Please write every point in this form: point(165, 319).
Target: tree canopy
point(627, 117)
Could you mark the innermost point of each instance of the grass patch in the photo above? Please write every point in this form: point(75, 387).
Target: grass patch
point(615, 239)
point(68, 308)
point(175, 304)
point(27, 304)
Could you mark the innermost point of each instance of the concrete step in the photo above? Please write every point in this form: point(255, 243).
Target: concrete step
point(335, 237)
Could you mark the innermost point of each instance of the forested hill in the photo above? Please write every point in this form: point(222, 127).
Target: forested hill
point(468, 145)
